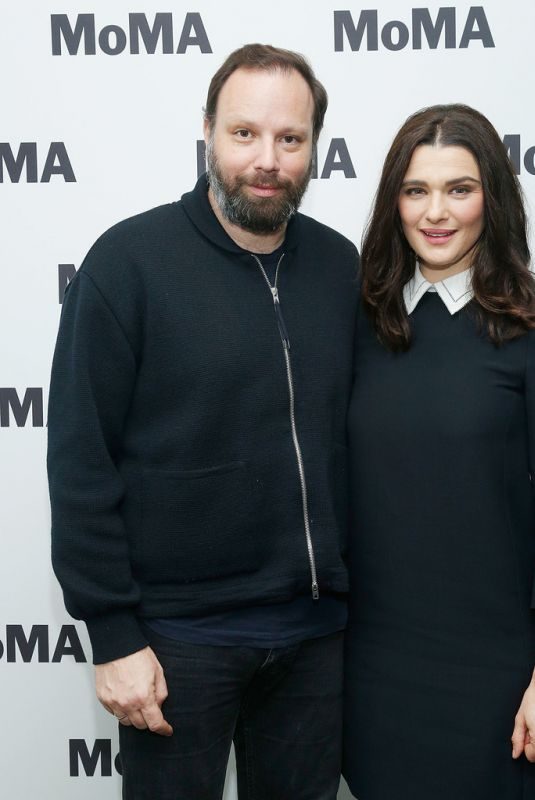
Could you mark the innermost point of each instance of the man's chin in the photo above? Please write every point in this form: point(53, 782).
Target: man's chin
point(263, 227)
point(265, 214)
point(256, 208)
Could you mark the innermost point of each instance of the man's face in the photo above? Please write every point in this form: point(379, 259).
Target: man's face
point(259, 148)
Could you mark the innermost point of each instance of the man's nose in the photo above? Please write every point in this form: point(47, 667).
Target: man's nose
point(266, 157)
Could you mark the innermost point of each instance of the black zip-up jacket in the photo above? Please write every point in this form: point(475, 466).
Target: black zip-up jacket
point(173, 470)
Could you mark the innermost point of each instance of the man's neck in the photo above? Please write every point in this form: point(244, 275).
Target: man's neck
point(254, 242)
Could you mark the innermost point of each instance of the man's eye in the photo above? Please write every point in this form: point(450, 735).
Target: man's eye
point(243, 133)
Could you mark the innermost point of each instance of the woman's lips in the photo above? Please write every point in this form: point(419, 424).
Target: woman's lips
point(436, 235)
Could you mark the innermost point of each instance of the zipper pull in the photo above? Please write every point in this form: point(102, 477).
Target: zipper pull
point(315, 591)
point(280, 319)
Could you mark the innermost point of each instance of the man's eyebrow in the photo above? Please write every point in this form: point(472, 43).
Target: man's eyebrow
point(241, 122)
point(235, 119)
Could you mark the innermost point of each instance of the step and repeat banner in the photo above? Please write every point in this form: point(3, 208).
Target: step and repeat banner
point(101, 118)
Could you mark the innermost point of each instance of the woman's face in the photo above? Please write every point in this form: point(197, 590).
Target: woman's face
point(441, 206)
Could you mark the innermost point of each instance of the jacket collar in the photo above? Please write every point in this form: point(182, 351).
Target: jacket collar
point(198, 208)
point(455, 291)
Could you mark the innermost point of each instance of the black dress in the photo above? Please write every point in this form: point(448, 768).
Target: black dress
point(441, 643)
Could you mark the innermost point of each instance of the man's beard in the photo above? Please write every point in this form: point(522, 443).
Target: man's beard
point(261, 215)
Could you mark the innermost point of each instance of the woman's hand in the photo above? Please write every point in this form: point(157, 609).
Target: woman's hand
point(523, 737)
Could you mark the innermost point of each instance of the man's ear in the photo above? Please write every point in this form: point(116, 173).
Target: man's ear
point(206, 129)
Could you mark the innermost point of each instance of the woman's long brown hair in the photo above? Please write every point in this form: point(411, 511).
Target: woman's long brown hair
point(504, 288)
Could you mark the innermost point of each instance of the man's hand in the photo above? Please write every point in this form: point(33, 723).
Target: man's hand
point(133, 689)
point(523, 738)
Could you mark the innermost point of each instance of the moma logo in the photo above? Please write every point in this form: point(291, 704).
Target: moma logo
point(446, 29)
point(519, 157)
point(139, 36)
point(96, 758)
point(20, 409)
point(23, 163)
point(336, 160)
point(35, 644)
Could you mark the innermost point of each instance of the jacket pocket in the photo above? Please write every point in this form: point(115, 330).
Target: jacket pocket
point(196, 525)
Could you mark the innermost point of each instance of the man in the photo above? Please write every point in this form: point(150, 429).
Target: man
point(197, 463)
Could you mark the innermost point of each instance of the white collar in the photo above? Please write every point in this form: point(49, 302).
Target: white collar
point(455, 291)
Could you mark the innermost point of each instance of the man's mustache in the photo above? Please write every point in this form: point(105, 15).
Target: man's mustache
point(266, 181)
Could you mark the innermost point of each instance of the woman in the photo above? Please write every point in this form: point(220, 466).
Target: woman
point(441, 645)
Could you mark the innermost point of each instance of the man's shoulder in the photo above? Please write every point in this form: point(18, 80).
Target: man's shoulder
point(142, 237)
point(160, 220)
point(321, 234)
point(135, 244)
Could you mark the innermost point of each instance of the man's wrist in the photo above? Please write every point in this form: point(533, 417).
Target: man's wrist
point(114, 635)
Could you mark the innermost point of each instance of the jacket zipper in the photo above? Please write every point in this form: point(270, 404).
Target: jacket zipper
point(300, 465)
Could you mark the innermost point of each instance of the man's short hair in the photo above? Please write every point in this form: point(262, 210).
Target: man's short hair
point(266, 57)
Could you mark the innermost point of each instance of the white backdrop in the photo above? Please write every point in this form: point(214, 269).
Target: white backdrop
point(88, 138)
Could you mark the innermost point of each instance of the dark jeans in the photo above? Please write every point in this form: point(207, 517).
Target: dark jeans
point(282, 708)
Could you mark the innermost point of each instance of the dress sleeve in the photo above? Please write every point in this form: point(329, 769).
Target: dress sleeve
point(530, 413)
point(93, 375)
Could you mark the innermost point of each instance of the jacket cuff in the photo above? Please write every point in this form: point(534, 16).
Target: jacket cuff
point(115, 635)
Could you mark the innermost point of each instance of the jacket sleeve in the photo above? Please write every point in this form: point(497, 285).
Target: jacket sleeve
point(93, 376)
